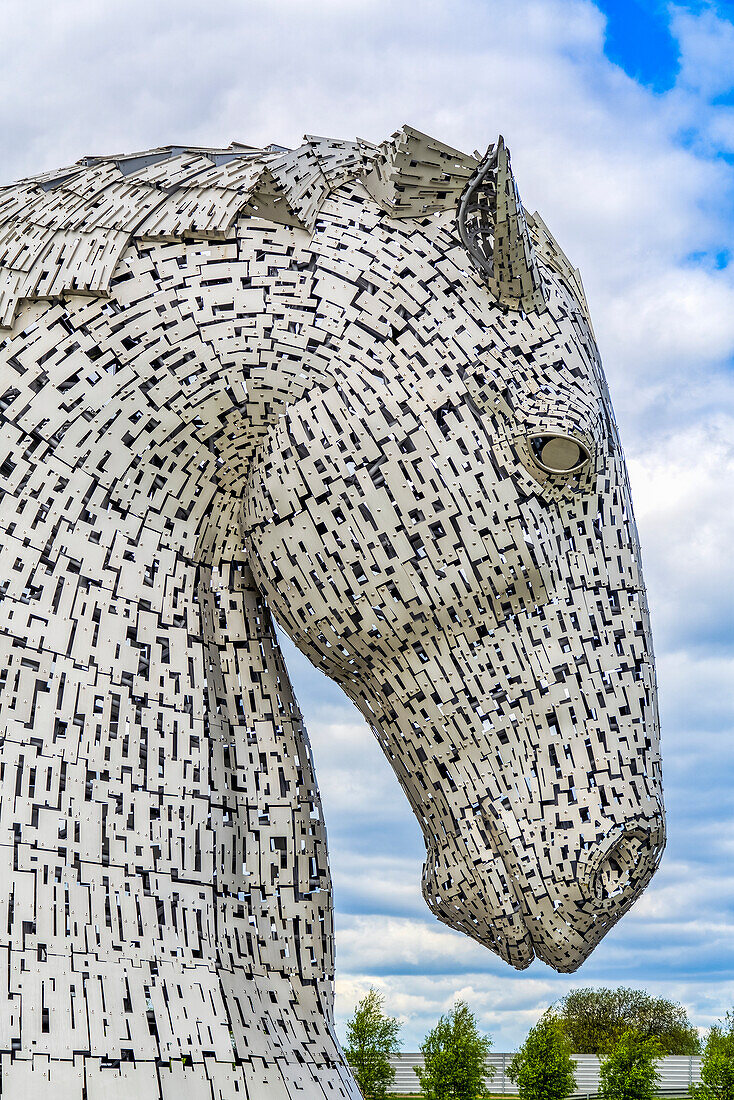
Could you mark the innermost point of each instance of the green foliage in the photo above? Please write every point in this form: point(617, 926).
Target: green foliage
point(717, 1065)
point(543, 1068)
point(371, 1038)
point(629, 1070)
point(595, 1019)
point(455, 1058)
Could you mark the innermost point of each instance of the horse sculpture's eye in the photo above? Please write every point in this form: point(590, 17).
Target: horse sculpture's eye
point(558, 454)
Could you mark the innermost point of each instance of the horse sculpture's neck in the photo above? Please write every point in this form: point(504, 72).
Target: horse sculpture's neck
point(195, 877)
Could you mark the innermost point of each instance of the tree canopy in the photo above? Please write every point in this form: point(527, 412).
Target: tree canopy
point(629, 1069)
point(543, 1068)
point(371, 1038)
point(595, 1019)
point(455, 1058)
point(717, 1064)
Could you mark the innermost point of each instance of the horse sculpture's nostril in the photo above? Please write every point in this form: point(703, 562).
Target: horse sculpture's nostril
point(619, 868)
point(618, 871)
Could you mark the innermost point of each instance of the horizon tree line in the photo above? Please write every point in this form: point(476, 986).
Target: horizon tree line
point(628, 1029)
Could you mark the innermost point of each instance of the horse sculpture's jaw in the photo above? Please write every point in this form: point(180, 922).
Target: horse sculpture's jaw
point(494, 868)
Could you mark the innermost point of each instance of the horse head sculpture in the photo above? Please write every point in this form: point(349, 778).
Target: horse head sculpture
point(355, 386)
point(456, 548)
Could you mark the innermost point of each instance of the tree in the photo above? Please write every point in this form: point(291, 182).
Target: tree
point(543, 1068)
point(455, 1058)
point(595, 1019)
point(371, 1038)
point(717, 1064)
point(629, 1070)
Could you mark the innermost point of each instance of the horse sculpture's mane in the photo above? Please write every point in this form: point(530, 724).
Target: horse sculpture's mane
point(63, 232)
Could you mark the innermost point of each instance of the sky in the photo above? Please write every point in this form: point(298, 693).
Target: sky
point(620, 118)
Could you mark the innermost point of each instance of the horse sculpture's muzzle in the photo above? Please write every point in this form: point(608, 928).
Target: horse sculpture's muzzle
point(566, 924)
point(559, 921)
point(558, 823)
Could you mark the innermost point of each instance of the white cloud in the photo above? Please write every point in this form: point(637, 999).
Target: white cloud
point(353, 773)
point(376, 942)
point(677, 318)
point(505, 1007)
point(682, 484)
point(707, 50)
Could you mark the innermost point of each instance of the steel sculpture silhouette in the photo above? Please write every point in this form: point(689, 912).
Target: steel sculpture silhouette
point(356, 387)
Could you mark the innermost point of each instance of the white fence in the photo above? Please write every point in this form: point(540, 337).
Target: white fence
point(677, 1074)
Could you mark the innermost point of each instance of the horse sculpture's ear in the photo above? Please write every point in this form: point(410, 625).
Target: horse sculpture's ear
point(411, 175)
point(491, 223)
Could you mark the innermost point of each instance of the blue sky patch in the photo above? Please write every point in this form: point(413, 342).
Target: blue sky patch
point(638, 39)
